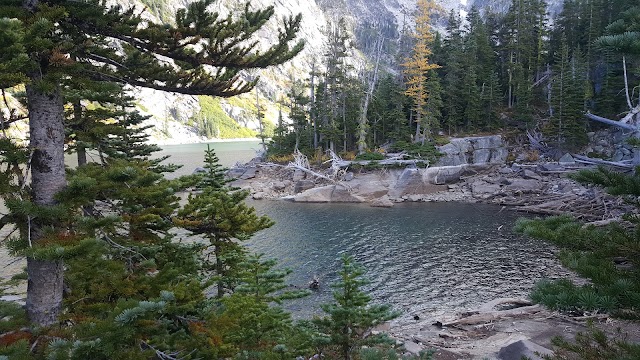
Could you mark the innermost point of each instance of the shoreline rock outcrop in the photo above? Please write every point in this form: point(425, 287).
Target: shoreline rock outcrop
point(541, 187)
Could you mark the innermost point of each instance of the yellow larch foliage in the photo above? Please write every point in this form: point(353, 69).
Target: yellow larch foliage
point(417, 66)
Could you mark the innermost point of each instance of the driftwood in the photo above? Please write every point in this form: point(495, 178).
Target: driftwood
point(490, 306)
point(587, 160)
point(598, 209)
point(346, 163)
point(301, 162)
point(621, 124)
point(602, 222)
point(486, 312)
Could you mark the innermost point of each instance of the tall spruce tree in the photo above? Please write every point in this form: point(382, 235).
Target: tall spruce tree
point(454, 73)
point(566, 128)
point(54, 41)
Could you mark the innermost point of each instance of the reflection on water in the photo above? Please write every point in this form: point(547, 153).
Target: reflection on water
point(419, 257)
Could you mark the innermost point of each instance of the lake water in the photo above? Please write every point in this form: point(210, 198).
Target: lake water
point(191, 156)
point(427, 257)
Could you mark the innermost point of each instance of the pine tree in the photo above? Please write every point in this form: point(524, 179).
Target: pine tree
point(417, 66)
point(454, 73)
point(524, 51)
point(350, 316)
point(567, 127)
point(434, 103)
point(220, 215)
point(252, 319)
point(214, 177)
point(387, 112)
point(77, 40)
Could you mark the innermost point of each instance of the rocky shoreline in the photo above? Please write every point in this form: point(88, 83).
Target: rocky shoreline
point(472, 170)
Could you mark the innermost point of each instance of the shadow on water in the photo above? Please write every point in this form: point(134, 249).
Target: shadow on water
point(419, 257)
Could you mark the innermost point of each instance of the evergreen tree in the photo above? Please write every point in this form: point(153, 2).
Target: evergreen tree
point(214, 177)
point(252, 319)
point(52, 42)
point(332, 110)
point(387, 112)
point(454, 73)
point(524, 52)
point(220, 215)
point(434, 103)
point(566, 127)
point(417, 66)
point(350, 316)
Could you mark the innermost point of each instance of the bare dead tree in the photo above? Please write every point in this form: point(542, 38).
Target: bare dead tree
point(363, 125)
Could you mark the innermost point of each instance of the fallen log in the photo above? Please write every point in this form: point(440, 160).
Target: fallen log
point(495, 315)
point(347, 163)
point(490, 306)
point(592, 161)
point(602, 222)
point(620, 124)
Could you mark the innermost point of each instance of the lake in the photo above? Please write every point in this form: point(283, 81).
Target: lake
point(424, 257)
point(191, 156)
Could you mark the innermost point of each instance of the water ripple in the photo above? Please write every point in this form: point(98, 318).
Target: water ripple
point(418, 256)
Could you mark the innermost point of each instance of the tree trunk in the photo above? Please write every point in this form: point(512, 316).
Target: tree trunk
point(312, 102)
point(219, 269)
point(80, 148)
point(362, 120)
point(46, 131)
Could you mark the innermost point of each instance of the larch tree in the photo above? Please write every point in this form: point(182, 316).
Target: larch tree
point(417, 66)
point(50, 42)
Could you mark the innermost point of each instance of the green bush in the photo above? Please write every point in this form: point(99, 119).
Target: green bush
point(594, 345)
point(417, 151)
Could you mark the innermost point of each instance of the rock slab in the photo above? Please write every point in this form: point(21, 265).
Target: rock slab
point(523, 349)
point(478, 150)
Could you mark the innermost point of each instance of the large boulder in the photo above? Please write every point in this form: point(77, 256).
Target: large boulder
point(452, 155)
point(442, 175)
point(250, 173)
point(329, 193)
point(382, 202)
point(412, 181)
point(525, 186)
point(483, 189)
point(481, 156)
point(523, 349)
point(233, 173)
point(303, 185)
point(473, 150)
point(487, 142)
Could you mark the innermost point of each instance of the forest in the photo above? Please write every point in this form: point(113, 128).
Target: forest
point(106, 278)
point(509, 73)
